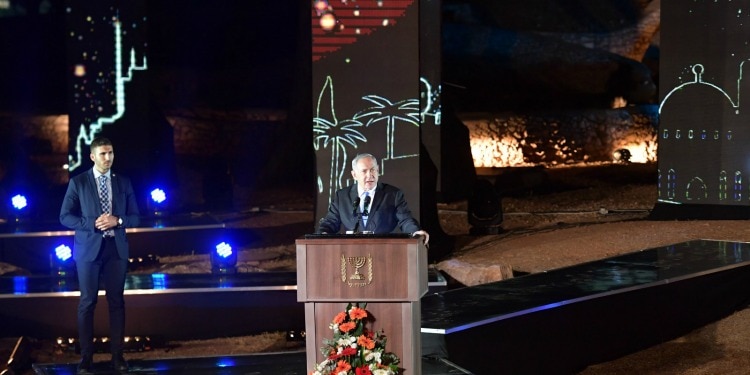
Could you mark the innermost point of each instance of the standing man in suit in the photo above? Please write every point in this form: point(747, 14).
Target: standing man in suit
point(369, 206)
point(99, 205)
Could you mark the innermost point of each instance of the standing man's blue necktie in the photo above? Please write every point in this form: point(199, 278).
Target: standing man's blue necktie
point(104, 194)
point(104, 197)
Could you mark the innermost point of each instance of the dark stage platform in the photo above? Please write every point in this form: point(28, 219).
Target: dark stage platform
point(161, 305)
point(28, 245)
point(560, 322)
point(556, 322)
point(271, 363)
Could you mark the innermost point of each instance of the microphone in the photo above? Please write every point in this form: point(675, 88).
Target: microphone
point(356, 206)
point(366, 210)
point(355, 213)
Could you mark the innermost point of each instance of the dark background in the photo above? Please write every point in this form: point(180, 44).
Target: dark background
point(259, 46)
point(221, 62)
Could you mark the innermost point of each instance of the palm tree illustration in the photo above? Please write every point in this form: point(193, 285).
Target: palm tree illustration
point(392, 113)
point(338, 135)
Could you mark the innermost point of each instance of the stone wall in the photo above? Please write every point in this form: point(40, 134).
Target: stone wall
point(219, 154)
point(564, 137)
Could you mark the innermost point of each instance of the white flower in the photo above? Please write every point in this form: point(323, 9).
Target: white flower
point(321, 366)
point(373, 356)
point(382, 371)
point(334, 327)
point(346, 341)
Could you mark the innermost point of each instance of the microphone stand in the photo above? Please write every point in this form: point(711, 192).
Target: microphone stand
point(356, 215)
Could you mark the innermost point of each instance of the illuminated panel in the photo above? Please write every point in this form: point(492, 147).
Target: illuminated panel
point(98, 84)
point(368, 93)
point(703, 132)
point(353, 19)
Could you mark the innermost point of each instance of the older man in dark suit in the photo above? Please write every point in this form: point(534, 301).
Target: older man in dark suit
point(99, 205)
point(369, 206)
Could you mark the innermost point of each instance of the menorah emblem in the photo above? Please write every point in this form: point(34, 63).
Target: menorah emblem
point(356, 262)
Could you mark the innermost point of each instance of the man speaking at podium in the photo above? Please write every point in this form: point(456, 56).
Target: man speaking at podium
point(369, 206)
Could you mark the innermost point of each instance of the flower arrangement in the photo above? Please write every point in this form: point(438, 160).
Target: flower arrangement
point(354, 349)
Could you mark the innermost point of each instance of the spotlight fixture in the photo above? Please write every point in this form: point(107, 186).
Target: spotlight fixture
point(61, 261)
point(157, 202)
point(136, 263)
point(485, 211)
point(328, 21)
point(622, 155)
point(159, 281)
point(131, 344)
point(223, 259)
point(296, 336)
point(19, 202)
point(20, 207)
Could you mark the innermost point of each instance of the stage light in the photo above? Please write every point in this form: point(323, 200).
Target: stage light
point(321, 6)
point(148, 261)
point(158, 195)
point(61, 261)
point(294, 336)
point(19, 202)
point(225, 362)
point(223, 259)
point(328, 21)
point(20, 284)
point(157, 202)
point(19, 207)
point(485, 211)
point(159, 281)
point(622, 155)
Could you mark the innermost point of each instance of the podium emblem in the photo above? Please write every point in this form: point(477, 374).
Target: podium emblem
point(356, 264)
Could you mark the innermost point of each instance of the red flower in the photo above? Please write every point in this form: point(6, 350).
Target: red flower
point(349, 351)
point(363, 370)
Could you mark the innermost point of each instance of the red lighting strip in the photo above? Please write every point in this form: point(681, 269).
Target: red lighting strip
point(350, 27)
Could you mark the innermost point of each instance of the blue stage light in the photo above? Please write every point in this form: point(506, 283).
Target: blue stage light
point(159, 280)
point(19, 284)
point(158, 196)
point(19, 202)
point(223, 259)
point(224, 250)
point(61, 261)
point(224, 362)
point(157, 202)
point(63, 253)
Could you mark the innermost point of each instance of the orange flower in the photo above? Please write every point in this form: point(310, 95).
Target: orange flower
point(339, 318)
point(366, 342)
point(346, 327)
point(342, 366)
point(357, 313)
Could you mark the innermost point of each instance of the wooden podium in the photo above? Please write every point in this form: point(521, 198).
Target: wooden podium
point(388, 272)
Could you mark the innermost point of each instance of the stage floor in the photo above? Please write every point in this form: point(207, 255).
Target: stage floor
point(673, 275)
point(271, 363)
point(465, 308)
